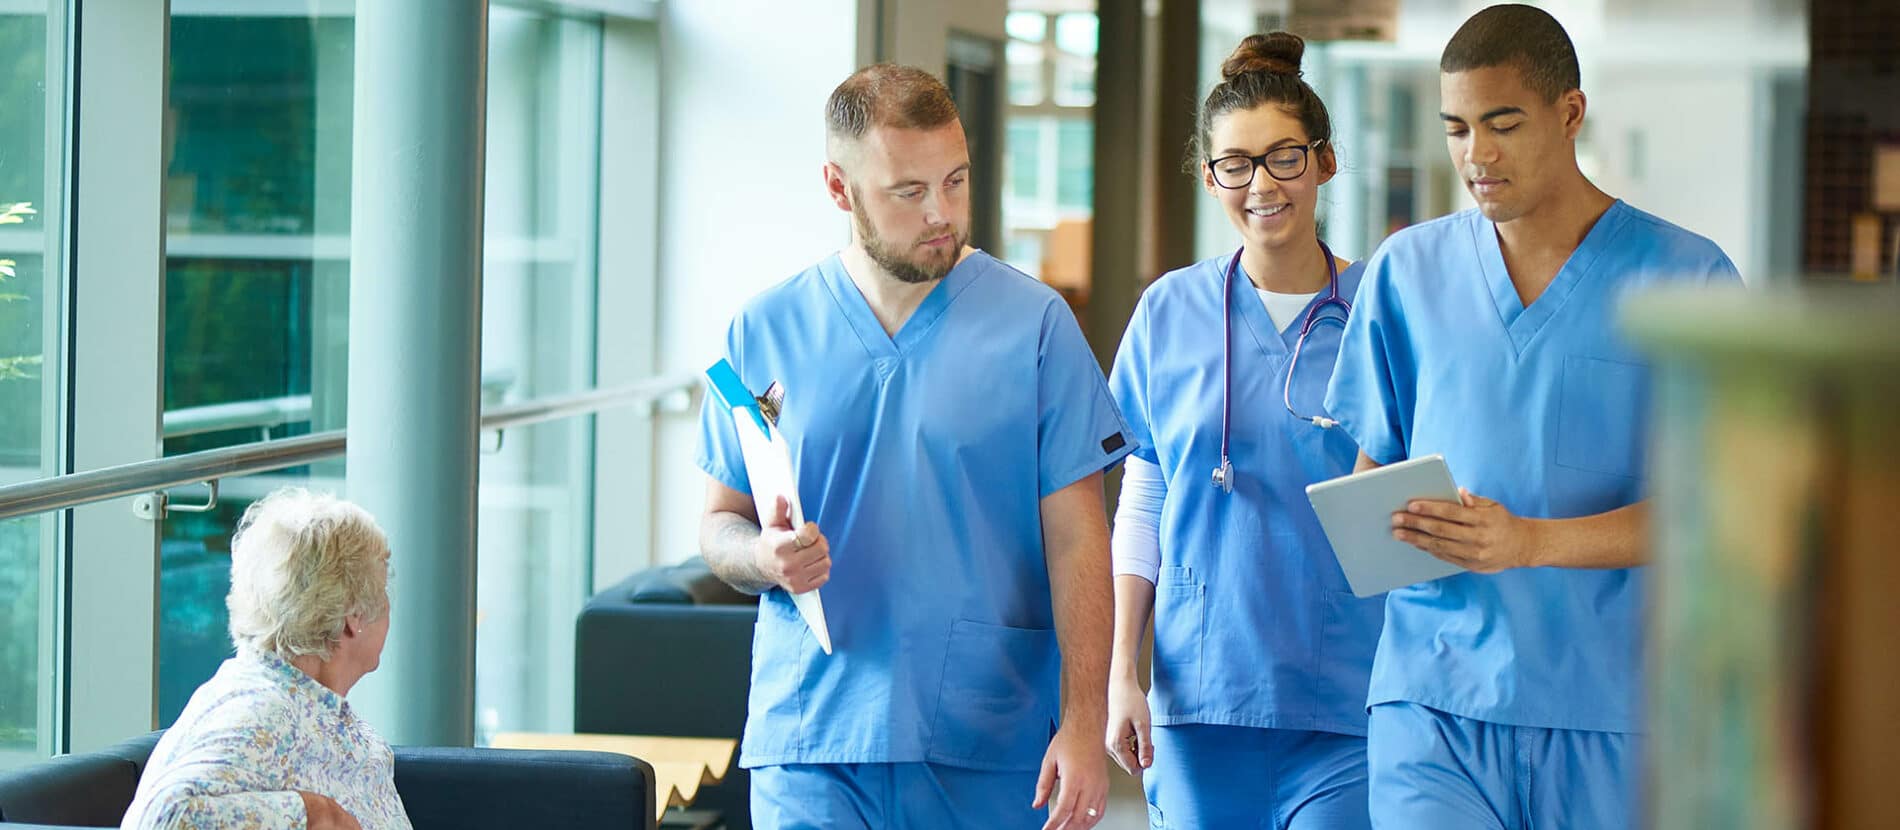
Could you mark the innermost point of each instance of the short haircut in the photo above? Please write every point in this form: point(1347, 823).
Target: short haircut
point(1524, 37)
point(885, 95)
point(300, 563)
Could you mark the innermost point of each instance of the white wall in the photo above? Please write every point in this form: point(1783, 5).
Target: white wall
point(918, 29)
point(742, 204)
point(1682, 145)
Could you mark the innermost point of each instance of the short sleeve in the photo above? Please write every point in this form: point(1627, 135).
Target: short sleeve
point(1723, 272)
point(1372, 393)
point(1079, 431)
point(1128, 383)
point(719, 454)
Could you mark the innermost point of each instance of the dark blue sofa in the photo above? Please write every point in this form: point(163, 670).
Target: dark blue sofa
point(442, 788)
point(668, 651)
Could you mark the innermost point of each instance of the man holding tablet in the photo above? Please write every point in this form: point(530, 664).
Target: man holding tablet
point(1507, 697)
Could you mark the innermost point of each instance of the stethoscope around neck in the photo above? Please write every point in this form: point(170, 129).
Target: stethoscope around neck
point(1224, 474)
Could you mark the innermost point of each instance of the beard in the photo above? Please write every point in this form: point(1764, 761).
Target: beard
point(898, 259)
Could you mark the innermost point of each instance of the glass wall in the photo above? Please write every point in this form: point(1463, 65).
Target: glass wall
point(257, 317)
point(257, 217)
point(534, 562)
point(34, 61)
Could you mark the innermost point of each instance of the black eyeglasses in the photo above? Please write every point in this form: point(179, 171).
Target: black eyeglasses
point(1283, 164)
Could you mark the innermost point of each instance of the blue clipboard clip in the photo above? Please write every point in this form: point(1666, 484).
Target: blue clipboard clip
point(726, 383)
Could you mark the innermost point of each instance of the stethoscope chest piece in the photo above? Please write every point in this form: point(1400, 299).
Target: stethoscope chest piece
point(1224, 476)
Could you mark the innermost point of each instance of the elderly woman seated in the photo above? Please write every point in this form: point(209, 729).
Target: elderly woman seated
point(269, 742)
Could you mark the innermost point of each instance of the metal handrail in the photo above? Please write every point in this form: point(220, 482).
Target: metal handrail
point(265, 414)
point(261, 414)
point(556, 407)
point(673, 392)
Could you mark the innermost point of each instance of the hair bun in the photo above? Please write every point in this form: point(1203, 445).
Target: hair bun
point(1276, 53)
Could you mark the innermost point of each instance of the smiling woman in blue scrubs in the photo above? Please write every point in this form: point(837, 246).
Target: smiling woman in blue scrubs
point(1261, 653)
point(1508, 697)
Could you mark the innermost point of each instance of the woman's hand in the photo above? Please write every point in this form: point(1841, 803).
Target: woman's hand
point(1127, 740)
point(323, 813)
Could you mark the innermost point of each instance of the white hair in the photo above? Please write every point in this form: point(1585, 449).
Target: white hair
point(300, 563)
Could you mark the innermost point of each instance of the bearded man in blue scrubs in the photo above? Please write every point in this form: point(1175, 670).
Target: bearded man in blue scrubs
point(1508, 696)
point(949, 427)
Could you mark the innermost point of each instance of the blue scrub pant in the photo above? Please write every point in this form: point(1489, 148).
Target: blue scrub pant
point(1237, 777)
point(877, 796)
point(1432, 770)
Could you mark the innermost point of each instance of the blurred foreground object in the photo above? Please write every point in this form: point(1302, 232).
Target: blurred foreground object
point(1774, 694)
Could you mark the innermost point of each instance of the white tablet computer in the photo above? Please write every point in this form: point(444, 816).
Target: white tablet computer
point(1356, 511)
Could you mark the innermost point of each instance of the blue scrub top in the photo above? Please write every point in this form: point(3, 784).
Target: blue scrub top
point(1254, 622)
point(924, 459)
point(1544, 409)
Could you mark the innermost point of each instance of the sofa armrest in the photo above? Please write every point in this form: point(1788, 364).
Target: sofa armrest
point(86, 790)
point(453, 788)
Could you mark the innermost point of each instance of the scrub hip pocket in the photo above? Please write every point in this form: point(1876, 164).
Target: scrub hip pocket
point(780, 646)
point(1180, 632)
point(996, 708)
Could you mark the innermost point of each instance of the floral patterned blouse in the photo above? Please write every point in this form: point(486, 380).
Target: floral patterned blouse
point(254, 735)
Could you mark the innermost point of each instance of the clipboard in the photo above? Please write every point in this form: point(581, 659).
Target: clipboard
point(1356, 511)
point(768, 465)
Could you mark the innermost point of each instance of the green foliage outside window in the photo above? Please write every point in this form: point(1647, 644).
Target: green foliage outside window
point(23, 289)
point(15, 367)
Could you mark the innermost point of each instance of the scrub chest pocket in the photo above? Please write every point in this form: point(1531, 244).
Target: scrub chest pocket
point(1603, 404)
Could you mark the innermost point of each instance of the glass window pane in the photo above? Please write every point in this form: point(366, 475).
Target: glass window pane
point(534, 568)
point(1025, 73)
point(1075, 164)
point(245, 115)
point(1023, 250)
point(1023, 165)
point(194, 626)
point(257, 216)
point(237, 329)
point(32, 287)
point(1075, 82)
point(1076, 33)
point(1030, 26)
point(257, 206)
point(23, 626)
point(534, 557)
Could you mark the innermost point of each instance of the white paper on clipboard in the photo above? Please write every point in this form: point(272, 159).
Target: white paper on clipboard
point(768, 465)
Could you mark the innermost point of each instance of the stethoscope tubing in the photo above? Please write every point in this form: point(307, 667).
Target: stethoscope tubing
point(1223, 475)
